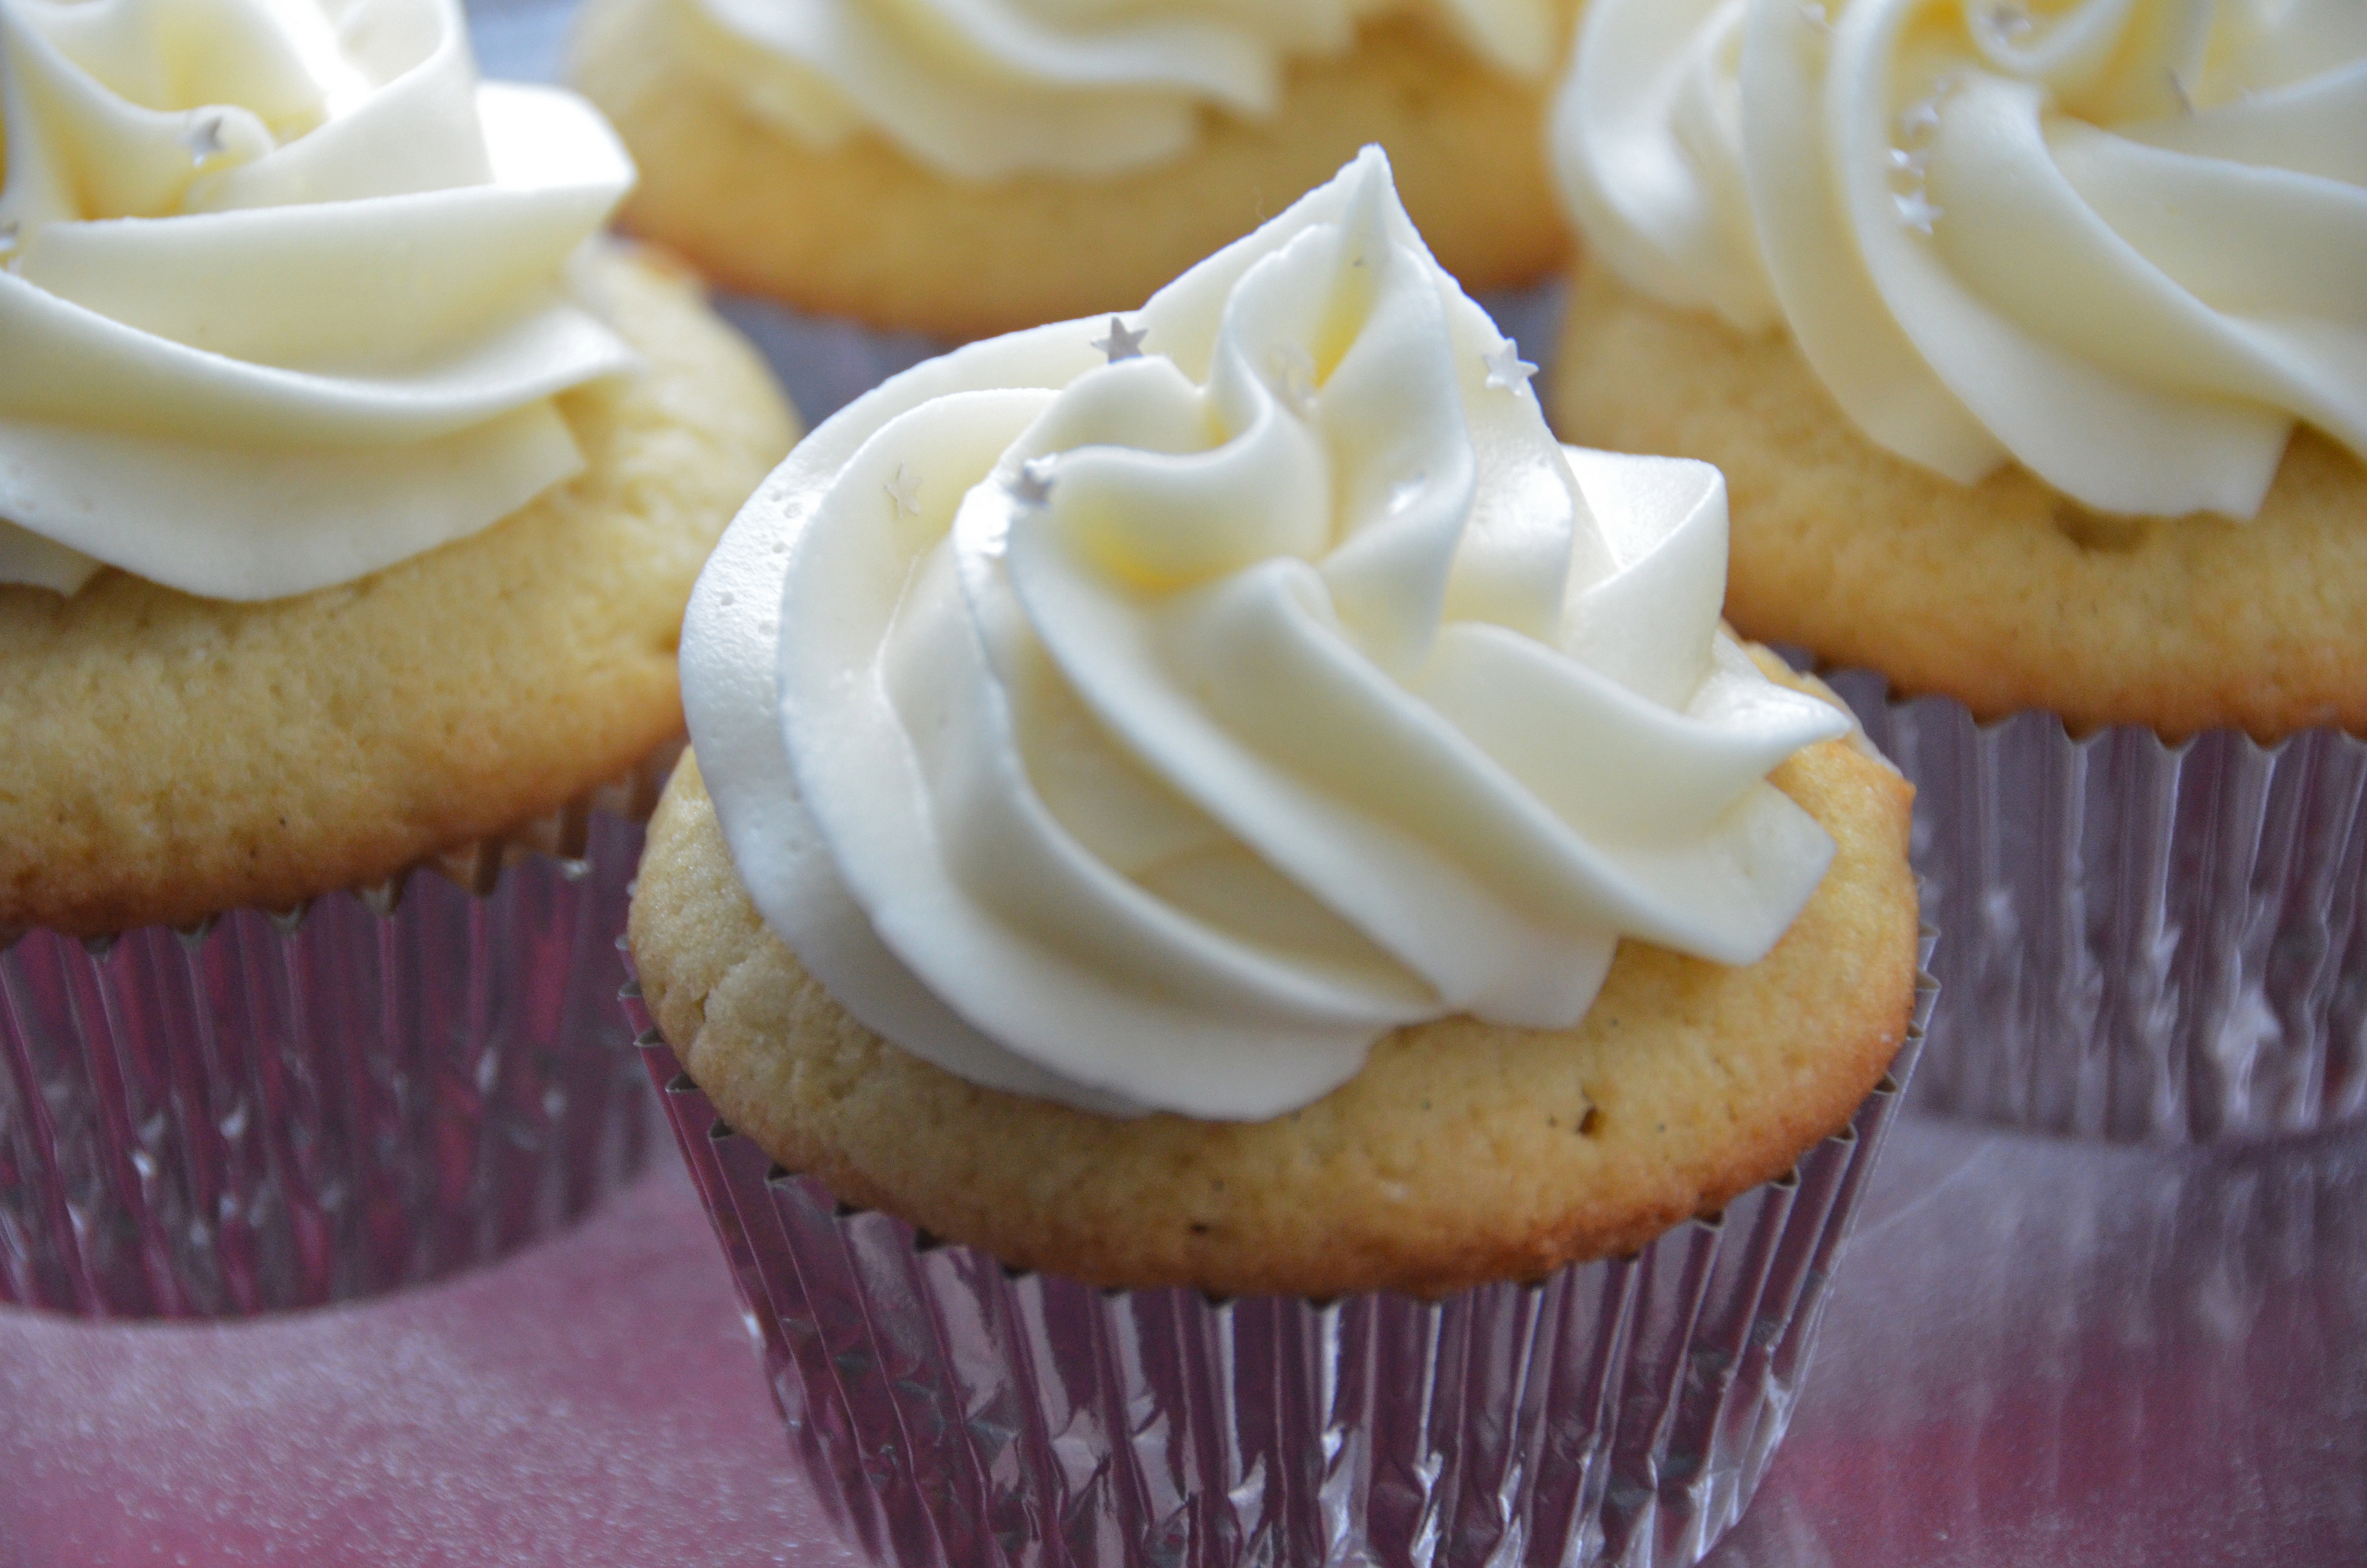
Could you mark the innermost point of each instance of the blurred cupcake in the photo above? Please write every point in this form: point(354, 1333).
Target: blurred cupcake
point(1217, 803)
point(962, 168)
point(2032, 344)
point(349, 507)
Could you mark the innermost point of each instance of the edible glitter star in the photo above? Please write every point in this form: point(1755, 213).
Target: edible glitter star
point(1507, 371)
point(1915, 211)
point(905, 491)
point(1032, 485)
point(1121, 344)
point(203, 137)
point(2008, 21)
point(1295, 368)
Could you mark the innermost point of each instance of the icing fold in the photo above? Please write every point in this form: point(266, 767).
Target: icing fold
point(1150, 714)
point(984, 89)
point(2120, 242)
point(283, 297)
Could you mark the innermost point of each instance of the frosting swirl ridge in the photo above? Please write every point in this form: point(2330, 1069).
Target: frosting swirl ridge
point(1153, 716)
point(986, 88)
point(284, 296)
point(2118, 242)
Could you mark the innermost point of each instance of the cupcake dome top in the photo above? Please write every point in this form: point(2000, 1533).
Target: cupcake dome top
point(1152, 713)
point(985, 88)
point(2118, 242)
point(283, 292)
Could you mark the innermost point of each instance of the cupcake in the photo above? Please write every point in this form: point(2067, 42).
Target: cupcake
point(2029, 340)
point(349, 507)
point(962, 169)
point(1230, 865)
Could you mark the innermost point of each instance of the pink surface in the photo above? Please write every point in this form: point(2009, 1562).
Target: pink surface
point(2039, 1353)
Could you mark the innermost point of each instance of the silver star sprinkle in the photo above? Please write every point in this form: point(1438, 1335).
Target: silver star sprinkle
point(203, 137)
point(1507, 371)
point(2008, 21)
point(905, 491)
point(1294, 368)
point(1916, 211)
point(1121, 344)
point(1032, 485)
point(2178, 90)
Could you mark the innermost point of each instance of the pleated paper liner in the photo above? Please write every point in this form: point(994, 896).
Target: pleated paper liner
point(2145, 940)
point(276, 1110)
point(952, 1413)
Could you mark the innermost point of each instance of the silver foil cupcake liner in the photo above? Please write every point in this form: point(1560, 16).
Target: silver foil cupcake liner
point(281, 1110)
point(952, 1413)
point(2145, 940)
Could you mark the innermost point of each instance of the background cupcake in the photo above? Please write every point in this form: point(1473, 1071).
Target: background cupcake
point(965, 169)
point(1172, 798)
point(2063, 427)
point(350, 508)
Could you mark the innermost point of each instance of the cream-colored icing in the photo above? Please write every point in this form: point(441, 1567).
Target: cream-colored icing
point(1155, 730)
point(284, 296)
point(985, 88)
point(2120, 242)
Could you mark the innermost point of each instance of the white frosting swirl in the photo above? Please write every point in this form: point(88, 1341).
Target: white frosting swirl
point(984, 89)
point(1157, 730)
point(283, 299)
point(2121, 241)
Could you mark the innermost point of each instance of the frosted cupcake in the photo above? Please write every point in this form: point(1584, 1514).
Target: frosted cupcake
point(2032, 343)
point(347, 510)
point(964, 168)
point(1217, 803)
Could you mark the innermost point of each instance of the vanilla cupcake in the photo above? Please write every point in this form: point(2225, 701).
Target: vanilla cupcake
point(963, 168)
point(2032, 344)
point(1218, 803)
point(348, 505)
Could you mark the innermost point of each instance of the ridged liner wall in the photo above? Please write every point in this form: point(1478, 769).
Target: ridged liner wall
point(2145, 940)
point(378, 1089)
point(955, 1416)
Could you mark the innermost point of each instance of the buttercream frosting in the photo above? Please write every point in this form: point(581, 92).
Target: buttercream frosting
point(985, 88)
point(282, 291)
point(2123, 243)
point(1151, 713)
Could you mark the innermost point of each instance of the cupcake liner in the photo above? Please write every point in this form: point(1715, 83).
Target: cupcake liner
point(279, 1110)
point(951, 1412)
point(2145, 940)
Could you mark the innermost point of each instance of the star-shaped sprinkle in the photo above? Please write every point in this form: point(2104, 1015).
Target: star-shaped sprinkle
point(905, 491)
point(1032, 485)
point(1294, 368)
point(1507, 371)
point(2178, 90)
point(2008, 21)
point(203, 137)
point(1916, 211)
point(1121, 344)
